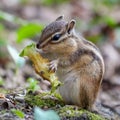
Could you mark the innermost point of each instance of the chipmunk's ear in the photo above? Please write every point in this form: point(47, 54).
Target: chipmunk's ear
point(70, 26)
point(60, 18)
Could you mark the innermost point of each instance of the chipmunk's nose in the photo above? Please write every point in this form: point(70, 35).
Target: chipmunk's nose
point(38, 46)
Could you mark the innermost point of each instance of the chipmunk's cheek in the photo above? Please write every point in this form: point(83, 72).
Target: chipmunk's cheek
point(45, 49)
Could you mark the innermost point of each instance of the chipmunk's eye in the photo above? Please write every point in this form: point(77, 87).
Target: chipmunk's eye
point(56, 37)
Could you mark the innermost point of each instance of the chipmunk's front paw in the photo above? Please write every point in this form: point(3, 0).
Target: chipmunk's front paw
point(53, 65)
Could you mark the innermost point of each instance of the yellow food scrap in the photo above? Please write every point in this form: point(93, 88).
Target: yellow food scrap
point(41, 65)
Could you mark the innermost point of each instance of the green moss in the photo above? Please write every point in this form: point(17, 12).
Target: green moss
point(72, 112)
point(44, 99)
point(55, 102)
point(94, 116)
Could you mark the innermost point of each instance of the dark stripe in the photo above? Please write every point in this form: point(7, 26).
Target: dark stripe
point(80, 52)
point(97, 57)
point(49, 41)
point(60, 40)
point(90, 44)
point(52, 28)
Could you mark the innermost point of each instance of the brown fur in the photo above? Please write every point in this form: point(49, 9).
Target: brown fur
point(80, 64)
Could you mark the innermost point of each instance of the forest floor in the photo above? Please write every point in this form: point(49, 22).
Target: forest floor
point(100, 24)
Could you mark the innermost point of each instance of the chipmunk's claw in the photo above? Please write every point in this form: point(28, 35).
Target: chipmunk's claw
point(53, 65)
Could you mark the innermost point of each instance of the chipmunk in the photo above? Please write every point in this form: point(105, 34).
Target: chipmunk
point(77, 62)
